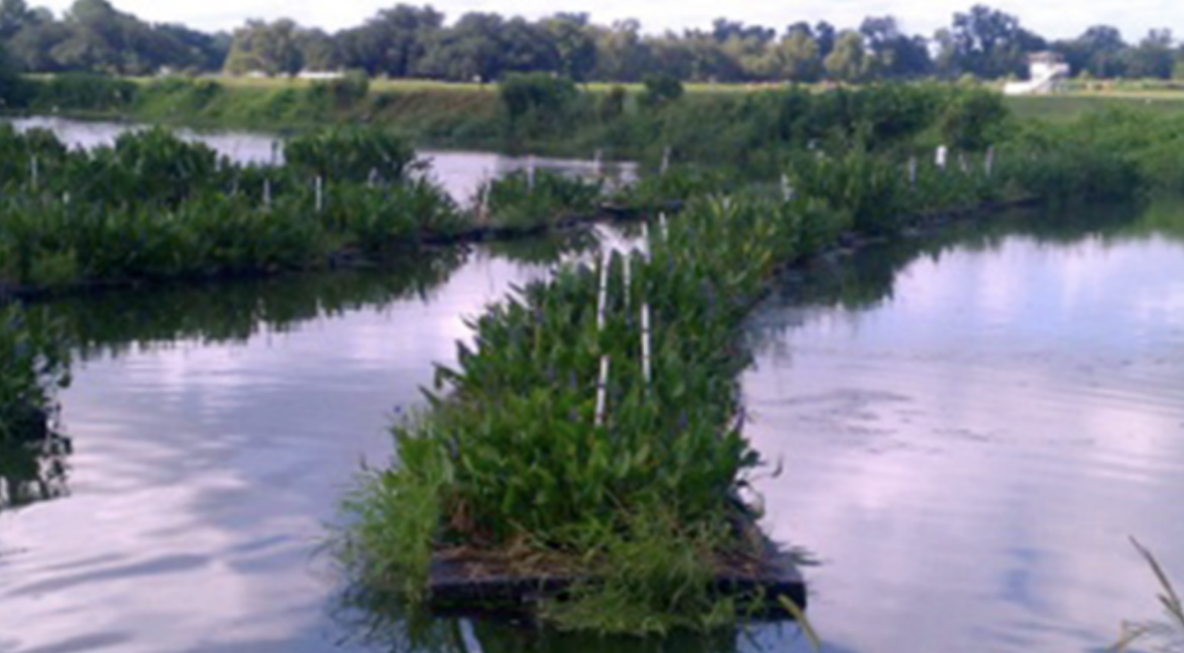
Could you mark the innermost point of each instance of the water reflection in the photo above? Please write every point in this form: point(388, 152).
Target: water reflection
point(378, 623)
point(974, 425)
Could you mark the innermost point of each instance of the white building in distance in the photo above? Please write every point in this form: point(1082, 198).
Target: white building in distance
point(1046, 74)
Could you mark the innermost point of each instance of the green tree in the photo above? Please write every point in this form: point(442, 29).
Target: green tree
point(990, 43)
point(393, 42)
point(318, 51)
point(14, 16)
point(800, 57)
point(1154, 58)
point(470, 51)
point(12, 87)
point(574, 45)
point(1099, 50)
point(269, 48)
point(893, 53)
point(622, 55)
point(848, 61)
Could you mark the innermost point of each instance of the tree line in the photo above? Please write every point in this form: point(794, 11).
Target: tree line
point(408, 41)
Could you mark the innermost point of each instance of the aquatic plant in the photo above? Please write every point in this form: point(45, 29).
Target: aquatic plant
point(567, 441)
point(154, 206)
point(533, 199)
point(351, 154)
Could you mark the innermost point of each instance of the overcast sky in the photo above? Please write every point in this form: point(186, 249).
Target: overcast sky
point(1052, 19)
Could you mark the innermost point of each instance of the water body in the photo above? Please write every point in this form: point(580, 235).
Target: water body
point(971, 426)
point(461, 173)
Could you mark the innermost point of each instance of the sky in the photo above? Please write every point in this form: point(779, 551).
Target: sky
point(1051, 19)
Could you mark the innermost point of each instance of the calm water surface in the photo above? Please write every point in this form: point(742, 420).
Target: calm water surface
point(971, 427)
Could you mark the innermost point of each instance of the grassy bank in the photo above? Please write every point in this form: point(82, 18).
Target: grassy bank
point(548, 116)
point(708, 123)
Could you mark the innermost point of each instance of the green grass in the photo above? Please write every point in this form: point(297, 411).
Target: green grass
point(1069, 107)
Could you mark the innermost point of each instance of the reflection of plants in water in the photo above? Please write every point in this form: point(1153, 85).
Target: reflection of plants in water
point(34, 365)
point(1166, 635)
point(235, 311)
point(34, 470)
point(546, 249)
point(382, 622)
point(867, 278)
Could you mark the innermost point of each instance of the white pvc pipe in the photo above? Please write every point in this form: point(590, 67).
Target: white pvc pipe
point(628, 279)
point(602, 390)
point(646, 352)
point(602, 298)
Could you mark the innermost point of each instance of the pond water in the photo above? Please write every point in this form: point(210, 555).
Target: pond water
point(460, 173)
point(971, 426)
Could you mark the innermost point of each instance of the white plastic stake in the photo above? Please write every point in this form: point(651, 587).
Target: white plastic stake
point(320, 194)
point(628, 260)
point(665, 229)
point(665, 161)
point(602, 390)
point(598, 163)
point(913, 171)
point(66, 199)
point(267, 193)
point(786, 188)
point(990, 160)
point(602, 298)
point(646, 353)
point(943, 154)
point(530, 172)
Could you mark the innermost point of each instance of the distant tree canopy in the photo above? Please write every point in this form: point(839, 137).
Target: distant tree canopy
point(11, 86)
point(406, 41)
